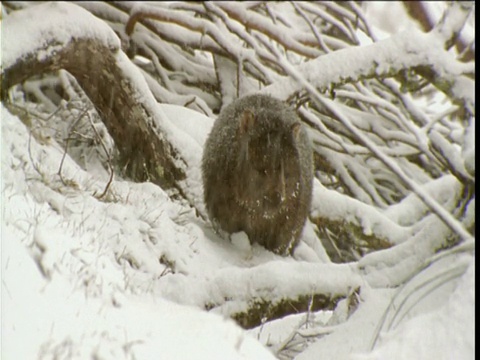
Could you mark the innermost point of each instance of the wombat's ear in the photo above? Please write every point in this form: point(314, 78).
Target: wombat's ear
point(247, 121)
point(295, 129)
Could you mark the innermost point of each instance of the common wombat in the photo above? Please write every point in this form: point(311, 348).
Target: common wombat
point(257, 172)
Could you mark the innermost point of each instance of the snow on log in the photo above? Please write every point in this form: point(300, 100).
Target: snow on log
point(71, 38)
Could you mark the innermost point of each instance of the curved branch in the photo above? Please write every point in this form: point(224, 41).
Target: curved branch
point(355, 219)
point(386, 58)
point(120, 95)
point(432, 204)
point(247, 296)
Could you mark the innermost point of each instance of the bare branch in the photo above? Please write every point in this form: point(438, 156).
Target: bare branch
point(144, 151)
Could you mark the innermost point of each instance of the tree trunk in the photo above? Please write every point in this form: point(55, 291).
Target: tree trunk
point(145, 153)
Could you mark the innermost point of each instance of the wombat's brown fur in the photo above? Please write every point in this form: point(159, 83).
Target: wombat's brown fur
point(257, 172)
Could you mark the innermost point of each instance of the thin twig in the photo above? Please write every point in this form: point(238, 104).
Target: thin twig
point(67, 140)
point(109, 157)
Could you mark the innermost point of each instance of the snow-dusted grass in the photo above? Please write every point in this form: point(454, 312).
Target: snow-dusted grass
point(82, 278)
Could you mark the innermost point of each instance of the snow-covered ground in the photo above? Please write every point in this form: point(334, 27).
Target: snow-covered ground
point(82, 278)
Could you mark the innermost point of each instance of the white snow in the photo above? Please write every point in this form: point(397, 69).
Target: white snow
point(331, 204)
point(36, 20)
point(55, 317)
point(103, 291)
point(444, 328)
point(89, 301)
point(354, 335)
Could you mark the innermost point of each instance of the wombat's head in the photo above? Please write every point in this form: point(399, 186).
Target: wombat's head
point(267, 159)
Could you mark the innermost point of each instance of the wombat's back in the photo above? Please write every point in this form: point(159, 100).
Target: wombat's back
point(257, 172)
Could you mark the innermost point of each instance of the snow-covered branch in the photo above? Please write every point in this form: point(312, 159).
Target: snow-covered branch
point(385, 59)
point(355, 219)
point(429, 201)
point(121, 96)
point(257, 299)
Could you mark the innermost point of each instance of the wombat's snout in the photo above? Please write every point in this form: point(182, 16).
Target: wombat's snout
point(277, 199)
